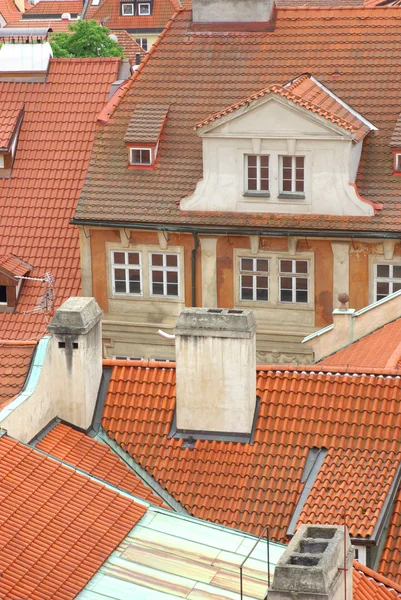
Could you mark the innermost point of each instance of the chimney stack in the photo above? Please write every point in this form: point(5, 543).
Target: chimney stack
point(231, 15)
point(216, 370)
point(317, 565)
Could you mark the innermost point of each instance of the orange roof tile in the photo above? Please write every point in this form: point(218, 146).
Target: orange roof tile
point(390, 562)
point(131, 47)
point(56, 7)
point(37, 203)
point(369, 585)
point(15, 360)
point(82, 451)
point(380, 349)
point(110, 9)
point(304, 91)
point(57, 525)
point(12, 265)
point(9, 10)
point(331, 44)
point(9, 116)
point(55, 25)
point(250, 486)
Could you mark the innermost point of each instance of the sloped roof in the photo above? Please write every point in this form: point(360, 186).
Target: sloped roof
point(390, 562)
point(15, 359)
point(131, 47)
point(162, 11)
point(146, 123)
point(9, 115)
point(308, 93)
point(396, 137)
point(249, 486)
point(95, 458)
point(57, 7)
point(37, 203)
point(333, 45)
point(54, 24)
point(9, 10)
point(57, 525)
point(380, 349)
point(12, 265)
point(370, 585)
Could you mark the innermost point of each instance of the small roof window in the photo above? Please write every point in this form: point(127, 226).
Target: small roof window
point(143, 133)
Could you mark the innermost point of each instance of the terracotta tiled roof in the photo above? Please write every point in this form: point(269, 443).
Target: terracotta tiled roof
point(15, 360)
point(380, 349)
point(95, 458)
point(11, 264)
point(309, 94)
point(390, 562)
point(54, 8)
point(315, 41)
point(146, 123)
point(55, 25)
point(249, 486)
point(9, 11)
point(110, 9)
point(37, 203)
point(370, 585)
point(131, 47)
point(57, 526)
point(9, 115)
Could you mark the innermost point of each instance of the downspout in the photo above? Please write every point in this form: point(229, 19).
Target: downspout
point(193, 273)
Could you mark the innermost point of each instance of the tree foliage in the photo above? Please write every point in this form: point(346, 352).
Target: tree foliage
point(86, 40)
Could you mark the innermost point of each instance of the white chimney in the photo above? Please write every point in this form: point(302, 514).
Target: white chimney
point(252, 15)
point(316, 564)
point(216, 370)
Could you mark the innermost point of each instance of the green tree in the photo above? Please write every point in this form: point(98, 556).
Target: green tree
point(86, 40)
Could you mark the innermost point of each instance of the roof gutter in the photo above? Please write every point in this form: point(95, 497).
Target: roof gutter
point(322, 233)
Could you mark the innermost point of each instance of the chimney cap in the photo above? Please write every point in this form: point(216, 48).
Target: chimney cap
point(216, 322)
point(75, 316)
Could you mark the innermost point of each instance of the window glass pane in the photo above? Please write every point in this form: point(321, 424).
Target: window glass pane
point(246, 264)
point(157, 275)
point(145, 155)
point(262, 265)
point(262, 282)
point(119, 258)
point(157, 289)
point(246, 293)
point(285, 296)
point(172, 277)
point(3, 293)
point(246, 281)
point(286, 185)
point(301, 283)
point(171, 260)
point(286, 266)
point(120, 287)
point(252, 185)
point(134, 287)
point(397, 272)
point(383, 289)
point(157, 260)
point(396, 286)
point(301, 296)
point(286, 283)
point(262, 295)
point(301, 266)
point(299, 162)
point(172, 289)
point(264, 184)
point(299, 186)
point(133, 258)
point(287, 162)
point(119, 274)
point(264, 161)
point(136, 157)
point(383, 270)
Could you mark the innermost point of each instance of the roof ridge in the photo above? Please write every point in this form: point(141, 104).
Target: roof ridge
point(108, 110)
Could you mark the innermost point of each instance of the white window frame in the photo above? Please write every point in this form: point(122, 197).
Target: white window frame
point(141, 41)
point(258, 191)
point(141, 4)
point(140, 164)
point(126, 267)
point(397, 163)
point(130, 14)
point(165, 269)
point(293, 191)
point(294, 276)
point(254, 274)
point(361, 554)
point(390, 280)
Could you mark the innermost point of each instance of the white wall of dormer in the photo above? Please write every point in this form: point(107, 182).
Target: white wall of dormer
point(275, 126)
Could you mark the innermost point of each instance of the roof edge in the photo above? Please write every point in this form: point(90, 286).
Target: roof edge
point(376, 576)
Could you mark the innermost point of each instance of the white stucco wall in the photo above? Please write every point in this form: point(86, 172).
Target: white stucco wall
point(278, 127)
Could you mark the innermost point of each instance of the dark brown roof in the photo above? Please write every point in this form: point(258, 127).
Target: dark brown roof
point(199, 73)
point(146, 123)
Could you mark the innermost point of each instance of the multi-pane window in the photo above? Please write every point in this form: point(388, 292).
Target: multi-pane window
point(127, 10)
point(293, 174)
point(257, 173)
point(144, 8)
point(140, 156)
point(254, 279)
point(126, 270)
point(387, 280)
point(293, 281)
point(143, 42)
point(164, 274)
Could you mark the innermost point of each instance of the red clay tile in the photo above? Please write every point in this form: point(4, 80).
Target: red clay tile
point(15, 360)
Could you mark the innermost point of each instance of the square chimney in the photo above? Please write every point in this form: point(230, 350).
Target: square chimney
point(216, 370)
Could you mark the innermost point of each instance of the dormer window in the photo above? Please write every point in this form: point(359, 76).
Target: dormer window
point(144, 8)
point(3, 294)
point(10, 121)
point(292, 175)
point(143, 135)
point(127, 10)
point(12, 272)
point(397, 163)
point(141, 156)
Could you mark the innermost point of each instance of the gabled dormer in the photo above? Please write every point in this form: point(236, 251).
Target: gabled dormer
point(11, 116)
point(136, 8)
point(396, 147)
point(12, 273)
point(291, 148)
point(142, 137)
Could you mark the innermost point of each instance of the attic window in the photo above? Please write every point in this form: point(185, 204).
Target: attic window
point(3, 294)
point(127, 10)
point(144, 8)
point(397, 163)
point(140, 156)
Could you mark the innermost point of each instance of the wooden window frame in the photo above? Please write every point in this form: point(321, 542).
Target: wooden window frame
point(293, 193)
point(126, 267)
point(258, 191)
point(164, 268)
